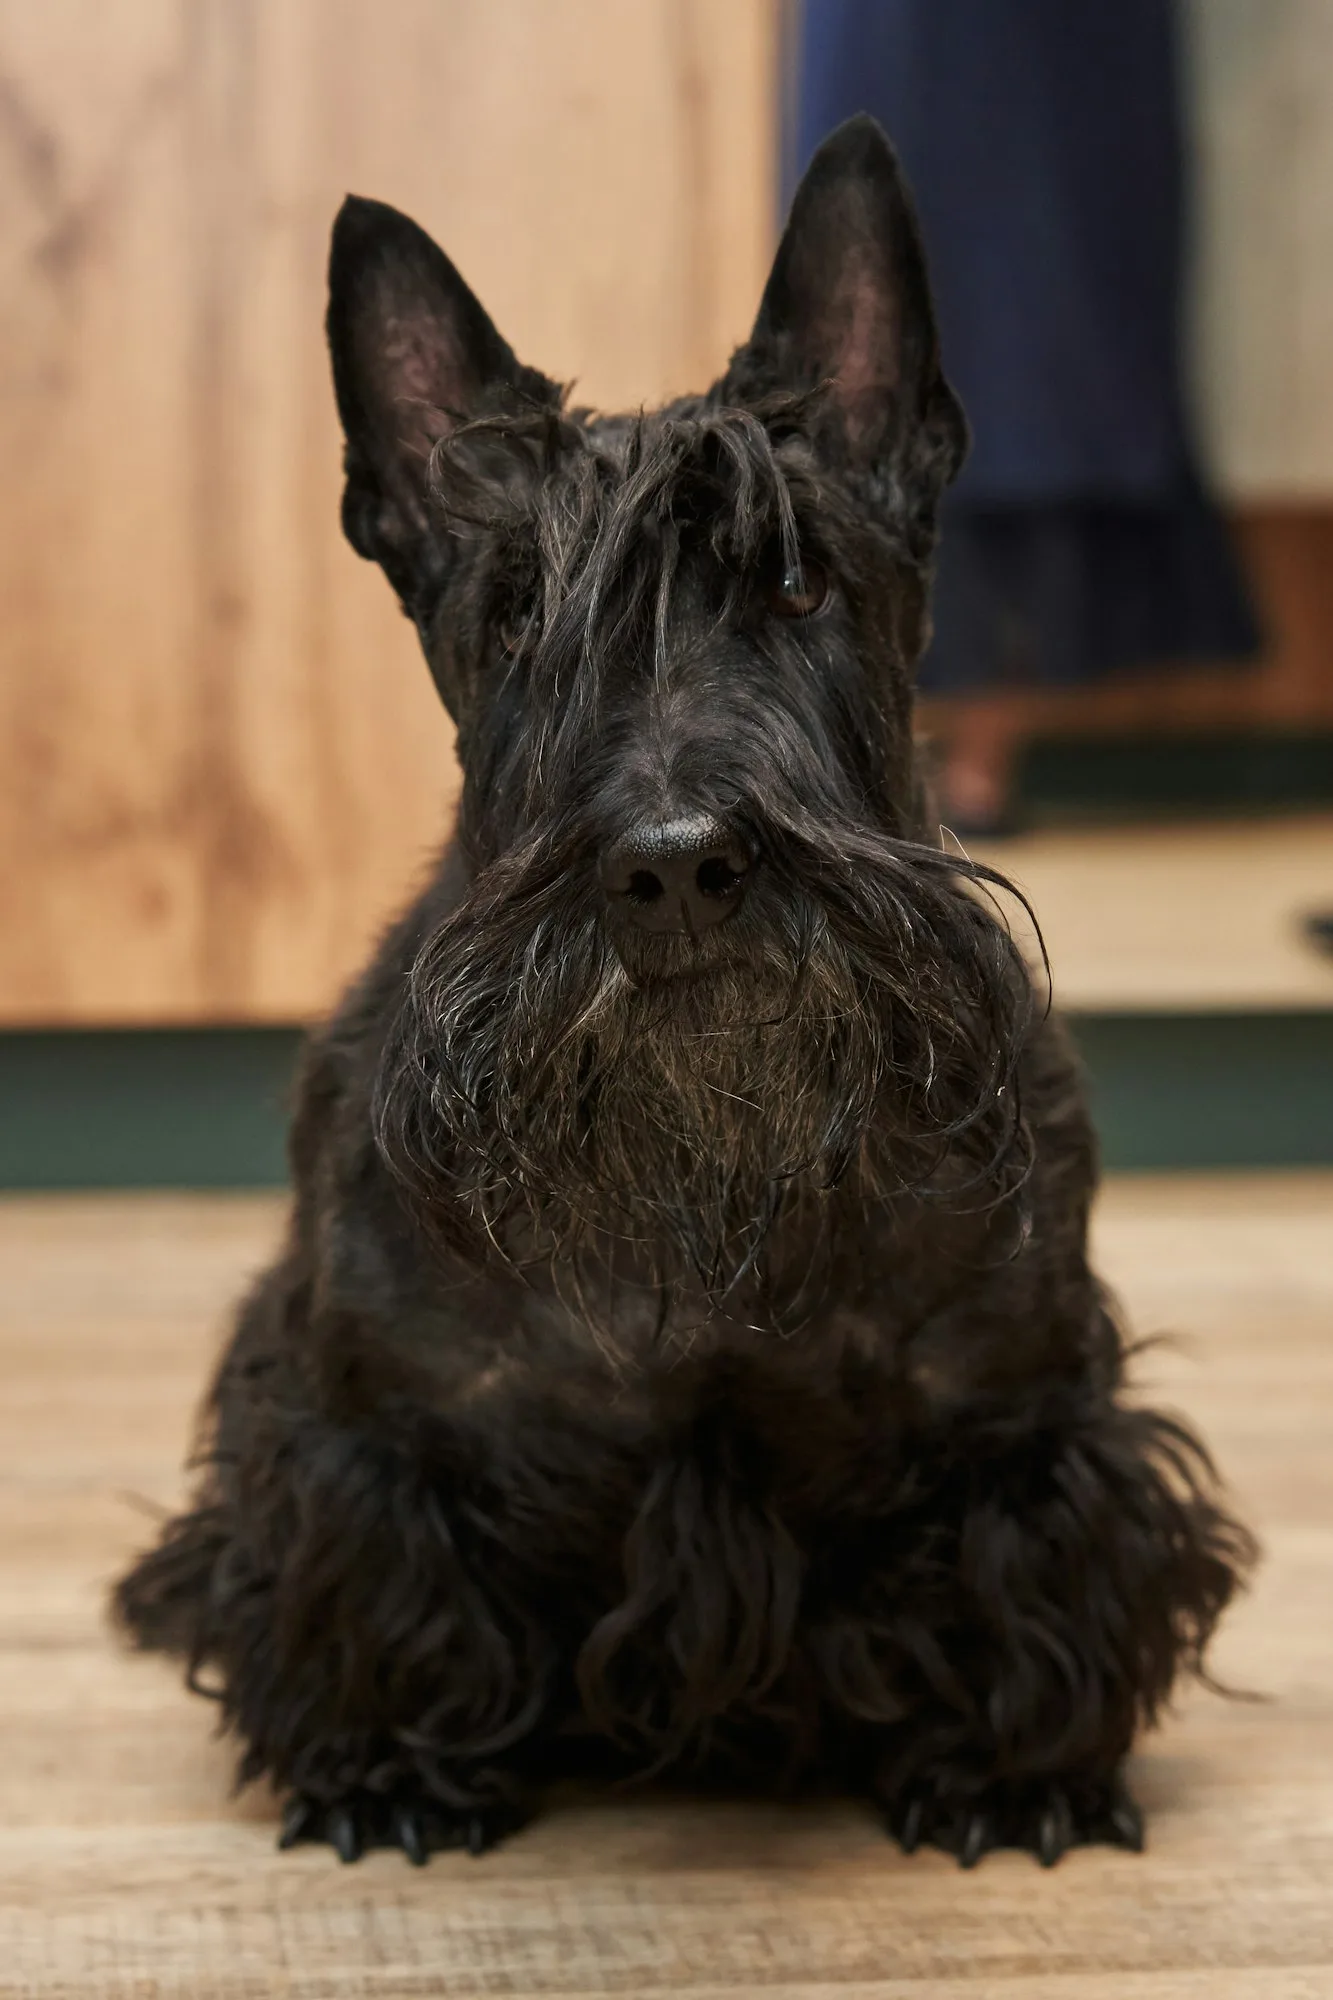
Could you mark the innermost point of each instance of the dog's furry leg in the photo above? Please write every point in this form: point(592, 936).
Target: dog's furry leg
point(1082, 1569)
point(325, 1591)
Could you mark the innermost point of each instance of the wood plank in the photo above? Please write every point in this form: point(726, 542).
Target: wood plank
point(126, 1870)
point(223, 762)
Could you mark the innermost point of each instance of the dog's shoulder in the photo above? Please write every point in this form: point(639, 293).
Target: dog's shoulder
point(340, 1063)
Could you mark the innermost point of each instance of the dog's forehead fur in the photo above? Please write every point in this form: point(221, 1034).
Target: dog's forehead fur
point(594, 560)
point(593, 504)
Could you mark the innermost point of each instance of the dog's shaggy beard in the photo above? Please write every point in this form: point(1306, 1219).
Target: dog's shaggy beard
point(543, 1100)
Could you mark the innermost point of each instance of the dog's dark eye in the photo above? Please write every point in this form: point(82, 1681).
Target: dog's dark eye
point(513, 624)
point(798, 591)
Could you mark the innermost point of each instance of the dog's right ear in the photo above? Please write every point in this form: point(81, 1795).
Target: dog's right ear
point(414, 355)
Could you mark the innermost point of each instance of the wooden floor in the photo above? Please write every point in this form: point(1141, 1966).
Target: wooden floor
point(125, 1869)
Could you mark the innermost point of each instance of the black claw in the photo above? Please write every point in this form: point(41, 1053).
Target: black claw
point(418, 1828)
point(909, 1833)
point(1042, 1816)
point(977, 1840)
point(344, 1834)
point(1126, 1820)
point(297, 1819)
point(411, 1836)
point(1056, 1834)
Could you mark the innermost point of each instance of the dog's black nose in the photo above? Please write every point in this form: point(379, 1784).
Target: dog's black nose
point(677, 874)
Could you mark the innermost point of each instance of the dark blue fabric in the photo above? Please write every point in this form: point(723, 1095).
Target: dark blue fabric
point(1043, 142)
point(1059, 594)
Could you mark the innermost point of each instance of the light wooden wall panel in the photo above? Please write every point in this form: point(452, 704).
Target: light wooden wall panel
point(221, 764)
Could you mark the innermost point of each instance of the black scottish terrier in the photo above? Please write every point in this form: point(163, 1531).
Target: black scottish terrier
point(685, 1353)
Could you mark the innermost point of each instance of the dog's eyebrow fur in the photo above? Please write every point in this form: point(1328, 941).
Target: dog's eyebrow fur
point(607, 504)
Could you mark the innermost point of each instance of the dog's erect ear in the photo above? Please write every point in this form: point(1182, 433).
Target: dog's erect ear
point(848, 305)
point(414, 354)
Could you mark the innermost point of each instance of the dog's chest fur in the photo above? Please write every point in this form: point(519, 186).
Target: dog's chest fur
point(878, 1355)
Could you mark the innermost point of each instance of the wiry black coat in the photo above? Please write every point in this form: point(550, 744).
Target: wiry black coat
point(685, 1351)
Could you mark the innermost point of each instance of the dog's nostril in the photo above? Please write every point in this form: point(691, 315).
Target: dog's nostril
point(717, 877)
point(683, 874)
point(644, 887)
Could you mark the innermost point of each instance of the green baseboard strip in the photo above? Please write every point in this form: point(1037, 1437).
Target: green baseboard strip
point(1111, 778)
point(1177, 1091)
point(207, 1107)
point(123, 1108)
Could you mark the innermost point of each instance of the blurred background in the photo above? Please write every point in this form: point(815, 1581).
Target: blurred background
point(222, 769)
point(222, 766)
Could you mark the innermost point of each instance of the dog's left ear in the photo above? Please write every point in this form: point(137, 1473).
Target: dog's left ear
point(847, 308)
point(414, 355)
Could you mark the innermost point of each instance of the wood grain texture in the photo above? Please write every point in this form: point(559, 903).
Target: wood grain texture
point(126, 1871)
point(222, 762)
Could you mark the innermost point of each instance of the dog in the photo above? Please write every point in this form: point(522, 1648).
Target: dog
point(684, 1356)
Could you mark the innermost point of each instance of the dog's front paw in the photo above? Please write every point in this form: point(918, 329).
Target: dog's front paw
point(1044, 1816)
point(419, 1826)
